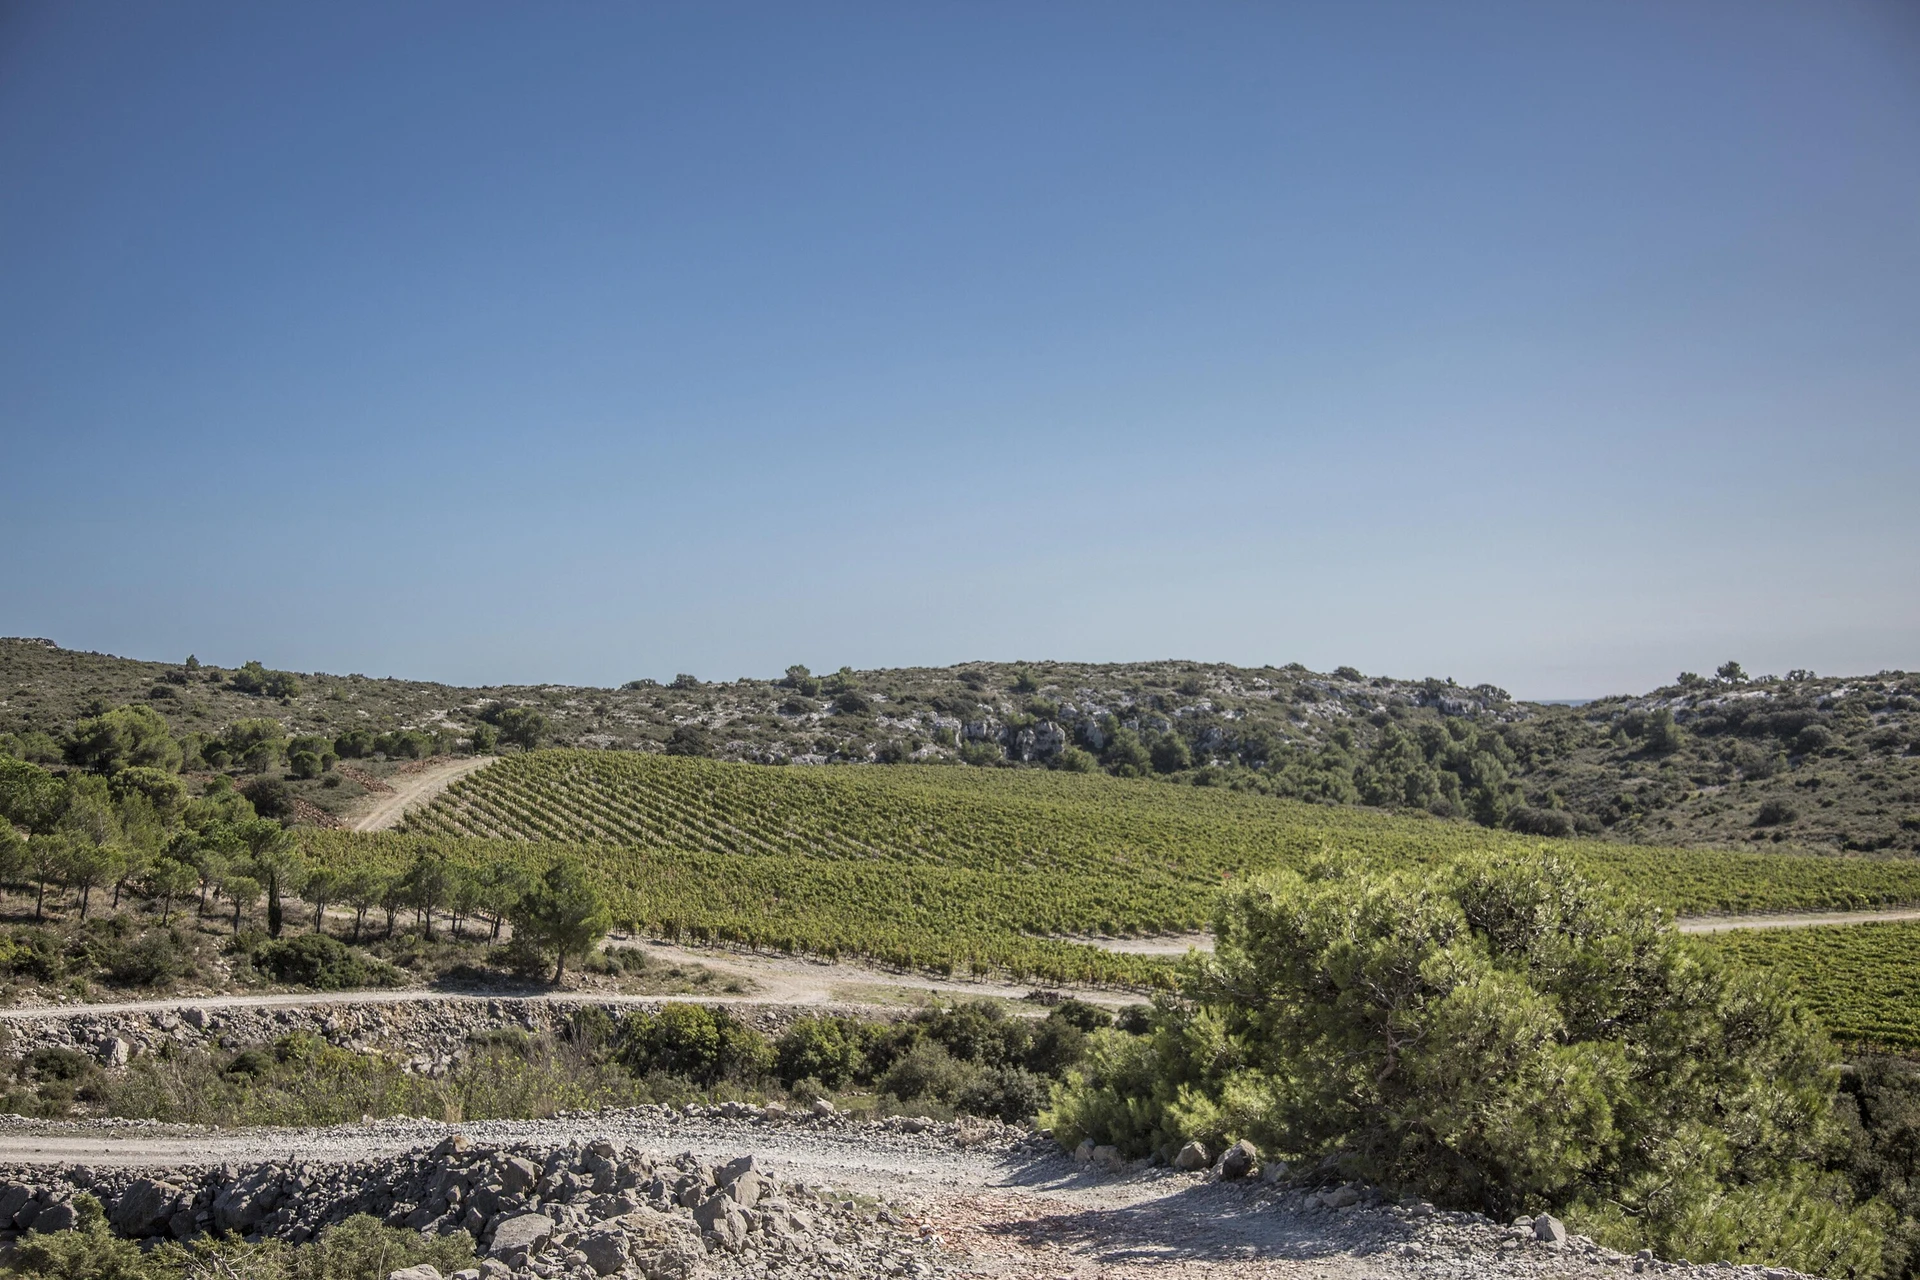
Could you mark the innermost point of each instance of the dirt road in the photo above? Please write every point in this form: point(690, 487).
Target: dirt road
point(798, 980)
point(767, 979)
point(1796, 920)
point(1178, 944)
point(411, 790)
point(1002, 1205)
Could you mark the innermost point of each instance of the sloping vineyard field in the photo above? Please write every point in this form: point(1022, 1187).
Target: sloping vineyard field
point(1067, 825)
point(911, 915)
point(1862, 981)
point(961, 870)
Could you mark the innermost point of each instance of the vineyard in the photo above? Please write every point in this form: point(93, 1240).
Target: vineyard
point(964, 870)
point(1172, 846)
point(1863, 981)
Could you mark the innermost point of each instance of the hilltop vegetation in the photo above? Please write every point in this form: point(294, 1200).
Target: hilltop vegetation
point(1800, 762)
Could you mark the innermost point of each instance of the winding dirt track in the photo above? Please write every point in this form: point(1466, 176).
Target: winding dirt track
point(1180, 943)
point(796, 980)
point(1796, 920)
point(411, 790)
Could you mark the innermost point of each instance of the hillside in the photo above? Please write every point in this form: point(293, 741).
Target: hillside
point(1802, 762)
point(958, 870)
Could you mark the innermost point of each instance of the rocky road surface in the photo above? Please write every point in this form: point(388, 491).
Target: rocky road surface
point(834, 1198)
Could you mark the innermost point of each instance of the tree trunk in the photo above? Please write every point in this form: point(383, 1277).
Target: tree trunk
point(86, 894)
point(274, 915)
point(236, 915)
point(40, 903)
point(559, 968)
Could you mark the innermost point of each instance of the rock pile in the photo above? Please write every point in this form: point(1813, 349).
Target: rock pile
point(430, 1033)
point(586, 1209)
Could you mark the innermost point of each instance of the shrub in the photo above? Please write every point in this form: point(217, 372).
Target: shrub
point(155, 959)
point(1526, 819)
point(704, 1045)
point(1075, 760)
point(269, 797)
point(31, 953)
point(1880, 1106)
point(1170, 754)
point(1507, 1036)
point(362, 1246)
point(303, 764)
point(977, 1031)
point(1057, 1045)
point(322, 963)
point(829, 1051)
point(1775, 813)
point(89, 1252)
point(927, 1072)
point(1127, 756)
point(689, 740)
point(1004, 1093)
point(1078, 1013)
point(54, 1063)
point(1812, 740)
point(250, 1062)
point(354, 744)
point(982, 754)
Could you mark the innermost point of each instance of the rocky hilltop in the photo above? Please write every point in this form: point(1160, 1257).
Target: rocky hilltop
point(1804, 761)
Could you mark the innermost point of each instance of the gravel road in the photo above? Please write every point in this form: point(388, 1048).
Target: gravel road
point(1001, 1203)
point(1178, 944)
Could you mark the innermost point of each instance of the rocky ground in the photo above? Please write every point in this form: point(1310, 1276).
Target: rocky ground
point(739, 1191)
point(430, 1032)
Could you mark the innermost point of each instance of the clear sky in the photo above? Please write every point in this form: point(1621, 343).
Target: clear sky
point(1561, 346)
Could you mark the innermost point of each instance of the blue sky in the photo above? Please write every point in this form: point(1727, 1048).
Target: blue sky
point(1561, 346)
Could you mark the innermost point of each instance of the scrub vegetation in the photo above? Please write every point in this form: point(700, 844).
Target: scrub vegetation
point(1799, 761)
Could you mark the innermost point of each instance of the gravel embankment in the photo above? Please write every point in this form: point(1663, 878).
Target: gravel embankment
point(428, 1033)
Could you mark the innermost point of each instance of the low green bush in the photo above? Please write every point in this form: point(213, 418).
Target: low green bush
point(156, 959)
point(322, 963)
point(829, 1051)
point(33, 954)
point(361, 1248)
point(699, 1044)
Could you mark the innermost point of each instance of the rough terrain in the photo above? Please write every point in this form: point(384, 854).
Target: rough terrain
point(745, 1191)
point(1804, 762)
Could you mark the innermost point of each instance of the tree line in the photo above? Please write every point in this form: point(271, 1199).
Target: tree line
point(136, 835)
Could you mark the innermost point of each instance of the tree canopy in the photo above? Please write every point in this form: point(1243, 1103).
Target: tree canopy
point(122, 738)
point(562, 914)
point(1507, 1037)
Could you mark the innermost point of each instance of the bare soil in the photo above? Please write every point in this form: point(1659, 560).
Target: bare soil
point(410, 790)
